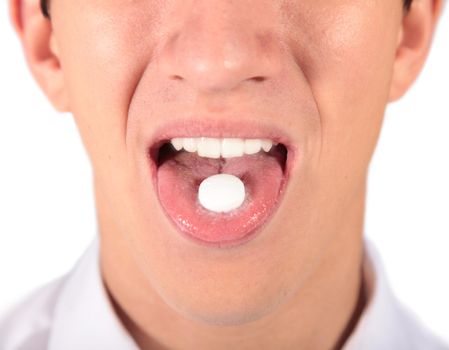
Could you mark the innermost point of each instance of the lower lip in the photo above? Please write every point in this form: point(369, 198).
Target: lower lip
point(225, 244)
point(248, 236)
point(229, 243)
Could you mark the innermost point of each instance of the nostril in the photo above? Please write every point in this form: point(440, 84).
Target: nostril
point(176, 77)
point(258, 79)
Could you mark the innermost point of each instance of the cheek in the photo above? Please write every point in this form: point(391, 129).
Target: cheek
point(103, 60)
point(352, 50)
point(358, 54)
point(349, 67)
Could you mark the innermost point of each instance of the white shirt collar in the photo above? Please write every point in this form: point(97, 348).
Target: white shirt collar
point(377, 327)
point(85, 319)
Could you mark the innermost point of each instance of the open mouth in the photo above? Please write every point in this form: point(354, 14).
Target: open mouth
point(181, 164)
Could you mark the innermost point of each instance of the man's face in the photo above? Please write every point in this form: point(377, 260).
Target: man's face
point(134, 68)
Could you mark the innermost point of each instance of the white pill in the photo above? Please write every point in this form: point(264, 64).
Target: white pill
point(221, 193)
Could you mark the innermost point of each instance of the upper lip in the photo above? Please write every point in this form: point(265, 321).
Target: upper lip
point(219, 128)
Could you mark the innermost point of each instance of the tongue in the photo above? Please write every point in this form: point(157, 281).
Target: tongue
point(180, 175)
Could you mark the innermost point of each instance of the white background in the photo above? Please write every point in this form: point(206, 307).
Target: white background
point(47, 214)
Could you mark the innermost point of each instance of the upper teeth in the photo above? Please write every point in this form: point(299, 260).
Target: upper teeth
point(225, 147)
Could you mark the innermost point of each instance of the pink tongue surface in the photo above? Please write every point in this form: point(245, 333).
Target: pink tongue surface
point(179, 177)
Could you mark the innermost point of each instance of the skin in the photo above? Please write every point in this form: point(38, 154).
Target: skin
point(330, 68)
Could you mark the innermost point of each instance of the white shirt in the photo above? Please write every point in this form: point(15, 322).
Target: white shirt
point(75, 313)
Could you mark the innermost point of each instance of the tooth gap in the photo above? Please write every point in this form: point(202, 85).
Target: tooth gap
point(166, 152)
point(282, 152)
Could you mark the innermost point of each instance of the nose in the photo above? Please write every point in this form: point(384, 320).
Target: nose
point(222, 44)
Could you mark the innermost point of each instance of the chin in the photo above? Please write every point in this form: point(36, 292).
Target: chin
point(228, 306)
